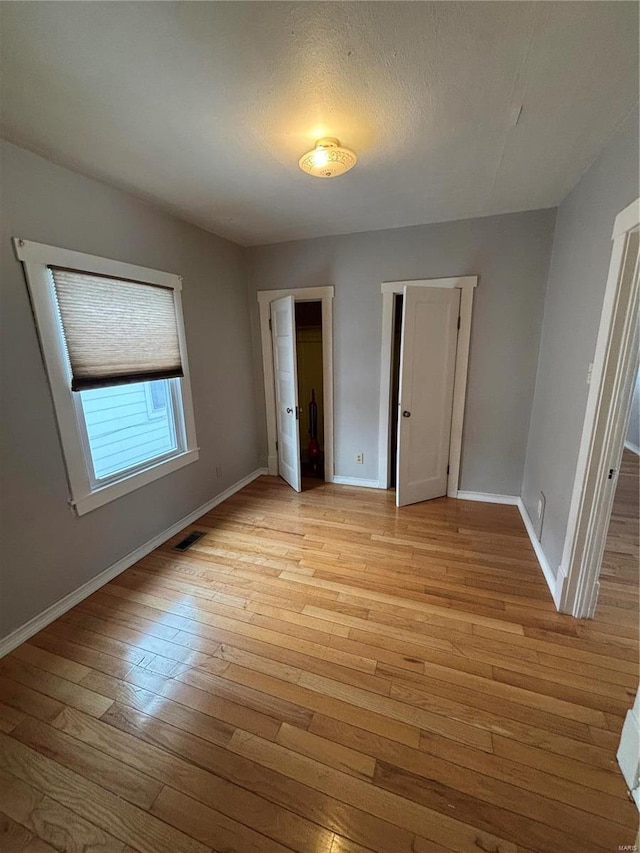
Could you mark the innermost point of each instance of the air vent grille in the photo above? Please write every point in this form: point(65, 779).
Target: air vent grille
point(187, 542)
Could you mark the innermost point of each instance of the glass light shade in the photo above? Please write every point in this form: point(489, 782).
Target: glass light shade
point(328, 159)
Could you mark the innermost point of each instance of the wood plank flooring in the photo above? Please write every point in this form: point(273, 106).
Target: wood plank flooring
point(325, 673)
point(620, 573)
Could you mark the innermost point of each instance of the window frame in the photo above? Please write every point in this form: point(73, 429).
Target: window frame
point(174, 402)
point(87, 493)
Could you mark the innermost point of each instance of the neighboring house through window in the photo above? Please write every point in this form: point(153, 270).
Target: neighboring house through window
point(112, 338)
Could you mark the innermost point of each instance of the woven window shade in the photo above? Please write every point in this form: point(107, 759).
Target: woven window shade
point(116, 331)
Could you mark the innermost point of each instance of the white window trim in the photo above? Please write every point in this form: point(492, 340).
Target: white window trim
point(85, 495)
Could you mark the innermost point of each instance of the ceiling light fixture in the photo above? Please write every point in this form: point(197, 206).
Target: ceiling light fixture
point(328, 159)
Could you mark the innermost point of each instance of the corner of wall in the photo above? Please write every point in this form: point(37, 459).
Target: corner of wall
point(525, 464)
point(576, 279)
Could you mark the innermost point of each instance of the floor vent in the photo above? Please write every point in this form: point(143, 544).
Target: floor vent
point(188, 541)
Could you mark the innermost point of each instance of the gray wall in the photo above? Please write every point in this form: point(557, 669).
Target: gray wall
point(633, 430)
point(577, 279)
point(510, 254)
point(46, 551)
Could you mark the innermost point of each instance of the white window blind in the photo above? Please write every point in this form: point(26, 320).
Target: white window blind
point(116, 331)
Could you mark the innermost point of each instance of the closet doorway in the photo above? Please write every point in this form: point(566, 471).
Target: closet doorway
point(297, 333)
point(426, 331)
point(308, 317)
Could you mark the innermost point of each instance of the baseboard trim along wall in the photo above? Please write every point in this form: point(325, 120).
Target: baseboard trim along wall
point(632, 447)
point(15, 638)
point(488, 498)
point(356, 481)
point(554, 582)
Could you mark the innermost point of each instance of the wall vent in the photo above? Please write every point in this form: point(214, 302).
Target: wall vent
point(188, 541)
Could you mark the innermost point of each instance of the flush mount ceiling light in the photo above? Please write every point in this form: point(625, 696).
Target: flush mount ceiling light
point(328, 159)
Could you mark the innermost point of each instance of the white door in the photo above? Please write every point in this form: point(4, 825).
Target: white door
point(427, 372)
point(283, 337)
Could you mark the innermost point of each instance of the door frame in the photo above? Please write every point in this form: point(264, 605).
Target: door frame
point(389, 289)
point(613, 372)
point(300, 294)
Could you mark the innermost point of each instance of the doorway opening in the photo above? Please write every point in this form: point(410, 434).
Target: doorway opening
point(308, 319)
point(287, 405)
point(619, 568)
point(613, 376)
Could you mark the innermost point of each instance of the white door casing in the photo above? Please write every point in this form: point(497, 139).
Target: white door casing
point(427, 374)
point(324, 295)
point(615, 366)
point(283, 336)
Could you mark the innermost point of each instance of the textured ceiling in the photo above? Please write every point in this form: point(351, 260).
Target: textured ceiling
point(454, 109)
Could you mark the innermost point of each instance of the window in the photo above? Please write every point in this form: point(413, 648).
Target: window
point(112, 339)
point(123, 432)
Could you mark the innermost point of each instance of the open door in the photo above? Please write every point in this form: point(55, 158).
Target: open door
point(427, 372)
point(283, 336)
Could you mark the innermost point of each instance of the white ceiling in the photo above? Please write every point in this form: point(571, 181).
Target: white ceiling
point(205, 108)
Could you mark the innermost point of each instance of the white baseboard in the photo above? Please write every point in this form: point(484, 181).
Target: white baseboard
point(632, 447)
point(488, 497)
point(21, 634)
point(356, 481)
point(591, 607)
point(555, 583)
point(272, 466)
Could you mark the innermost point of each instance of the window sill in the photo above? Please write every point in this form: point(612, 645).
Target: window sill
point(106, 494)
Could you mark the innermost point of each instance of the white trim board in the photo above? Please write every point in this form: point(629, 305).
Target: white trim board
point(462, 281)
point(488, 498)
point(467, 285)
point(356, 481)
point(626, 220)
point(632, 447)
point(300, 294)
point(37, 623)
point(614, 372)
point(86, 491)
point(40, 253)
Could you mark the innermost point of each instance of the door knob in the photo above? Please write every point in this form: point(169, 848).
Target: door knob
point(289, 410)
point(406, 414)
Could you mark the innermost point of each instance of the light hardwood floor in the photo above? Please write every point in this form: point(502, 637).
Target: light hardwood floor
point(619, 573)
point(324, 673)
